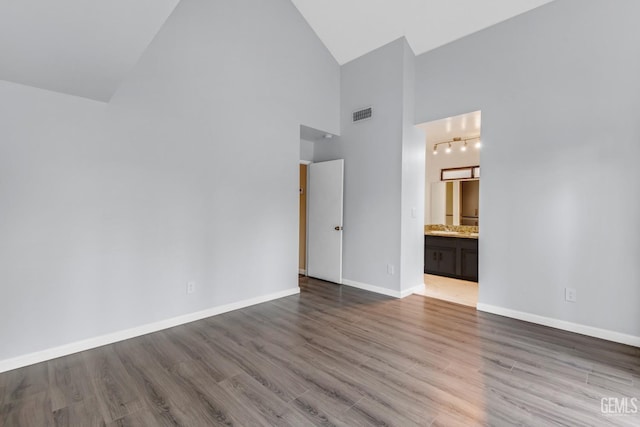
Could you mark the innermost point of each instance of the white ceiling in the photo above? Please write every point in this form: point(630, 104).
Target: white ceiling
point(79, 47)
point(86, 48)
point(462, 126)
point(351, 28)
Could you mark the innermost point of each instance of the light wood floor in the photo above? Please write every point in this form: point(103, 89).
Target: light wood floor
point(448, 289)
point(332, 356)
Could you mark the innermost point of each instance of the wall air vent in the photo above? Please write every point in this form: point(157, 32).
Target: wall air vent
point(362, 114)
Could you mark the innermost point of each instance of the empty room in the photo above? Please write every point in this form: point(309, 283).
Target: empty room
point(283, 212)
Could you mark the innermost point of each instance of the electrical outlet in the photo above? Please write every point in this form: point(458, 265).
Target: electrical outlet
point(390, 269)
point(191, 287)
point(570, 294)
point(414, 212)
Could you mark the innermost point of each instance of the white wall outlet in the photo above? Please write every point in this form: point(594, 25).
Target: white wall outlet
point(414, 212)
point(390, 269)
point(570, 294)
point(191, 287)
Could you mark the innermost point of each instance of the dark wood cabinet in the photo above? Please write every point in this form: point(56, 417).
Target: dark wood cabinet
point(431, 255)
point(468, 259)
point(440, 259)
point(451, 257)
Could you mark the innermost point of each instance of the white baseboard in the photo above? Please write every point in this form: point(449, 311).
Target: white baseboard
point(371, 288)
point(591, 331)
point(411, 291)
point(381, 290)
point(302, 271)
point(75, 347)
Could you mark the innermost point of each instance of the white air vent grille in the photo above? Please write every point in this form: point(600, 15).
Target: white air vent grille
point(362, 114)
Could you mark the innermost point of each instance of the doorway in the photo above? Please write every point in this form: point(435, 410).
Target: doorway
point(302, 242)
point(321, 215)
point(452, 212)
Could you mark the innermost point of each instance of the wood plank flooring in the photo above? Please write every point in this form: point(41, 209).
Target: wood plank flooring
point(333, 356)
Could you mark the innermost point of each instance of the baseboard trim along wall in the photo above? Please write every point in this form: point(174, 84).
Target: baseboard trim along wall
point(75, 347)
point(303, 272)
point(591, 331)
point(381, 290)
point(411, 291)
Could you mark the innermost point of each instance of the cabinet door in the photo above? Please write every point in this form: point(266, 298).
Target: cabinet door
point(447, 261)
point(431, 259)
point(469, 264)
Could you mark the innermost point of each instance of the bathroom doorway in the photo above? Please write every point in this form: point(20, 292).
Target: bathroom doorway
point(452, 211)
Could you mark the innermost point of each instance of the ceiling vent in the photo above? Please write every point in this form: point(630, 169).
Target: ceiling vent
point(362, 114)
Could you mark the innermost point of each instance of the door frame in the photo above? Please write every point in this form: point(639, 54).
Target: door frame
point(306, 238)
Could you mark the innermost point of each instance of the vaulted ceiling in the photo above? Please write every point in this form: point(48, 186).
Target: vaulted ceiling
point(87, 47)
point(79, 47)
point(351, 28)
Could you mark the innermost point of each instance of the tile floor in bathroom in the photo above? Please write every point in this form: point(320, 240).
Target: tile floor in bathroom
point(452, 290)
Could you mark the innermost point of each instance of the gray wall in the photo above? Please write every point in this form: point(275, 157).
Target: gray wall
point(413, 173)
point(189, 173)
point(373, 152)
point(560, 98)
point(307, 148)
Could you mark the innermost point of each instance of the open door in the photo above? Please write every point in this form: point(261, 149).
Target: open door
point(324, 204)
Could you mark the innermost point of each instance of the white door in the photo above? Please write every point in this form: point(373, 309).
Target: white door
point(324, 204)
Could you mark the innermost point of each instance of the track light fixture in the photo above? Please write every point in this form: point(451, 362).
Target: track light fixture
point(463, 147)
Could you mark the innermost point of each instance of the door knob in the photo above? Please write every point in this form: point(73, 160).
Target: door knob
point(337, 228)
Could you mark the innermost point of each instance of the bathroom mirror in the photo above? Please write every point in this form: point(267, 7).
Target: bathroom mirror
point(455, 202)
